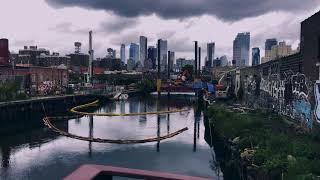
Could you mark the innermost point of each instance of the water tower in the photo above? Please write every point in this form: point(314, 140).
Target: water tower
point(77, 47)
point(111, 53)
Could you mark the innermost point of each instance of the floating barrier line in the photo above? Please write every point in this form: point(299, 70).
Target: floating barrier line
point(65, 117)
point(47, 122)
point(95, 103)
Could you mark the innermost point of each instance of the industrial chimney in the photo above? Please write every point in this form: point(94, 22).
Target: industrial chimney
point(4, 52)
point(90, 56)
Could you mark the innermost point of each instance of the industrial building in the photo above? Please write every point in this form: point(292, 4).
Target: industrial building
point(4, 51)
point(310, 46)
point(29, 55)
point(53, 60)
point(79, 62)
point(108, 64)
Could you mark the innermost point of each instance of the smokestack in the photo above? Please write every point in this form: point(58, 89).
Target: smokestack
point(90, 55)
point(158, 75)
point(199, 61)
point(195, 57)
point(4, 52)
point(158, 59)
point(169, 60)
point(90, 40)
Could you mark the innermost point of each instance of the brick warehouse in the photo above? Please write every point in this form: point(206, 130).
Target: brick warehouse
point(32, 78)
point(290, 85)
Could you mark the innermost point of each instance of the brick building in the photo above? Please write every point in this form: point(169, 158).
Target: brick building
point(34, 77)
point(4, 51)
point(110, 64)
point(79, 62)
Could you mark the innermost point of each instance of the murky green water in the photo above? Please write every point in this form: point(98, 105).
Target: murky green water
point(42, 154)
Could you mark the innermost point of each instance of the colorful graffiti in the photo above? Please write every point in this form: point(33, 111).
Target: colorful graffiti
point(317, 99)
point(273, 86)
point(288, 96)
point(302, 111)
point(237, 82)
point(299, 86)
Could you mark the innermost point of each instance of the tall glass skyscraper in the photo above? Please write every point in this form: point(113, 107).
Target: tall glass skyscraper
point(241, 48)
point(152, 55)
point(123, 53)
point(268, 46)
point(163, 55)
point(269, 43)
point(143, 49)
point(210, 53)
point(134, 52)
point(255, 56)
point(172, 59)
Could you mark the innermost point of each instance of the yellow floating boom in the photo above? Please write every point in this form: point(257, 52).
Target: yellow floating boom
point(95, 103)
point(47, 122)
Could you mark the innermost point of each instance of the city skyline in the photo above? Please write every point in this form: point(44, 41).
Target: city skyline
point(59, 34)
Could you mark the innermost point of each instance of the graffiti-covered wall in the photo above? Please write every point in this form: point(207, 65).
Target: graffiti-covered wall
point(280, 86)
point(291, 85)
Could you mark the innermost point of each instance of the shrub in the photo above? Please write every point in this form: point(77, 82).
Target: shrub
point(146, 86)
point(274, 140)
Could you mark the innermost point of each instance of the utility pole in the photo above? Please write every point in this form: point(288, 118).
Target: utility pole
point(89, 80)
point(158, 102)
point(169, 60)
point(195, 57)
point(158, 74)
point(199, 62)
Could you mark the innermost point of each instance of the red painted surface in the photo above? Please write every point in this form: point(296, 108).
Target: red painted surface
point(89, 172)
point(173, 88)
point(220, 87)
point(98, 70)
point(37, 74)
point(83, 69)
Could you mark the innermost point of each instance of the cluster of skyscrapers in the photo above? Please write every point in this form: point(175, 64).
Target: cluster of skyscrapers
point(273, 51)
point(143, 57)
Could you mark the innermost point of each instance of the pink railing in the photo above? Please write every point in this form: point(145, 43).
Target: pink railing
point(97, 172)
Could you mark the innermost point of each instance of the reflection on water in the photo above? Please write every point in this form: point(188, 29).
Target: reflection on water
point(40, 153)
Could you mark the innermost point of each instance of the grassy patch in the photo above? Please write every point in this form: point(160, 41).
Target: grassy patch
point(280, 148)
point(9, 91)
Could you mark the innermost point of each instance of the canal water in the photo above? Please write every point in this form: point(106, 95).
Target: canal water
point(43, 154)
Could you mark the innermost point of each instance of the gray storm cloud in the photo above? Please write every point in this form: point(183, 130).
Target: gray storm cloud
point(118, 25)
point(227, 10)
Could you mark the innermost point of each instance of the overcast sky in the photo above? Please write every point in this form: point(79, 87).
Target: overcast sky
point(57, 24)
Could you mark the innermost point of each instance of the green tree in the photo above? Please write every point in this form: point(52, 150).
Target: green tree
point(146, 86)
point(9, 90)
point(188, 68)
